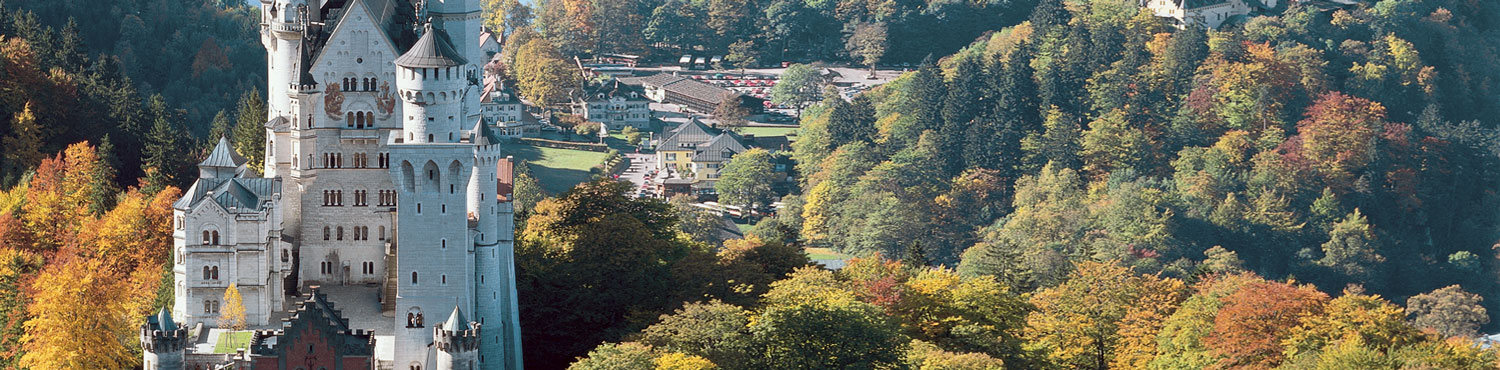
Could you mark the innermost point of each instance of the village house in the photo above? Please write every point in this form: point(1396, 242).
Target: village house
point(614, 104)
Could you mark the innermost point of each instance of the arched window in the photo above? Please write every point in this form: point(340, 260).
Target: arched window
point(205, 237)
point(382, 233)
point(350, 119)
point(445, 278)
point(341, 233)
point(413, 278)
point(216, 273)
point(205, 273)
point(216, 237)
point(325, 233)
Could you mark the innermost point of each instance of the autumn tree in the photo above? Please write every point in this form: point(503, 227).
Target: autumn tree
point(1450, 311)
point(234, 309)
point(77, 319)
point(542, 76)
point(1078, 322)
point(731, 112)
point(1249, 330)
point(1338, 135)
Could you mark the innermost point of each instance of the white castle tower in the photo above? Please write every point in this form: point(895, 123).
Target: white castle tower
point(452, 245)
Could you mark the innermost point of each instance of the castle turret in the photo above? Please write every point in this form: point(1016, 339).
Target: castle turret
point(163, 344)
point(284, 22)
point(462, 21)
point(430, 78)
point(457, 342)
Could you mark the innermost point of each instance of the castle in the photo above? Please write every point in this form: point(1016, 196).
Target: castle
point(380, 171)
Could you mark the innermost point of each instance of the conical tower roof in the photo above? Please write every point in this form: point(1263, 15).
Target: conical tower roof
point(456, 321)
point(164, 320)
point(223, 156)
point(433, 50)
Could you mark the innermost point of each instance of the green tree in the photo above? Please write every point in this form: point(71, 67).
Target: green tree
point(746, 180)
point(822, 326)
point(799, 85)
point(595, 264)
point(742, 54)
point(164, 163)
point(249, 137)
point(714, 330)
point(851, 122)
point(1352, 250)
point(610, 356)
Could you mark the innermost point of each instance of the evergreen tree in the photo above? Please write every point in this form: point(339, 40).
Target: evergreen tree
point(249, 136)
point(164, 163)
point(966, 95)
point(851, 122)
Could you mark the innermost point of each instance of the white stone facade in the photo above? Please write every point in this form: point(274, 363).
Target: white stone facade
point(1209, 14)
point(345, 128)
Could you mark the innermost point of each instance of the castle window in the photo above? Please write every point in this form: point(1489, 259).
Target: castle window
point(216, 237)
point(205, 273)
point(325, 233)
point(205, 237)
point(445, 243)
point(445, 279)
point(341, 233)
point(216, 273)
point(382, 233)
point(285, 256)
point(414, 282)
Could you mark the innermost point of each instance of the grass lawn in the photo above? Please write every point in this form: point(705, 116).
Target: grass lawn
point(557, 169)
point(228, 342)
point(825, 254)
point(769, 131)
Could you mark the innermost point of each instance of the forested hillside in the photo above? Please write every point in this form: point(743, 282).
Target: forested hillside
point(145, 81)
point(1093, 189)
point(768, 31)
point(1339, 146)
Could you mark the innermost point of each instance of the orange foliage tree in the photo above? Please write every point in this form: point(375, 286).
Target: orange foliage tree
point(1249, 330)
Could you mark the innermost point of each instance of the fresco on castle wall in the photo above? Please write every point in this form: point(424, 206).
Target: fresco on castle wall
point(386, 103)
point(333, 102)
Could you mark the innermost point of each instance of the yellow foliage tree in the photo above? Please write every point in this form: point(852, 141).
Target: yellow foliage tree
point(78, 319)
point(234, 309)
point(678, 361)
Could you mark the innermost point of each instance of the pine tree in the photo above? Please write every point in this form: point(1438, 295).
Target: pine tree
point(164, 165)
point(249, 135)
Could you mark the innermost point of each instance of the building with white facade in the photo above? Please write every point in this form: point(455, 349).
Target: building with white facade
point(615, 104)
point(1205, 13)
point(380, 171)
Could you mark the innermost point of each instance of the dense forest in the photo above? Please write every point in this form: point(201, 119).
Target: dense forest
point(767, 31)
point(146, 81)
